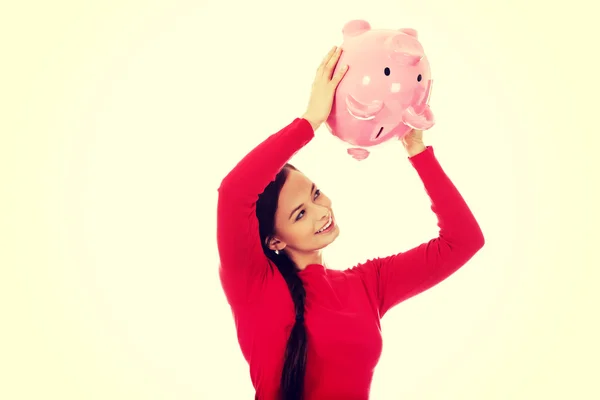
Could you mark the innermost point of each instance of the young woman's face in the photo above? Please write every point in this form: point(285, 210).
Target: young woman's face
point(302, 213)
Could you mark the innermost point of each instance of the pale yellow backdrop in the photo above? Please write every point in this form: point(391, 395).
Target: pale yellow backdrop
point(119, 118)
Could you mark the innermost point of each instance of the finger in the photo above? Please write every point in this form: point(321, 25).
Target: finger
point(339, 75)
point(330, 66)
point(326, 58)
point(331, 57)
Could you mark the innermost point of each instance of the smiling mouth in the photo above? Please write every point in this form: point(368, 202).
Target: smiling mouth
point(327, 227)
point(380, 130)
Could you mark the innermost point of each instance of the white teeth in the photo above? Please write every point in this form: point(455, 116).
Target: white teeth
point(326, 226)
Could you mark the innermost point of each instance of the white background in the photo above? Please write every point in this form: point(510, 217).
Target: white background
point(122, 118)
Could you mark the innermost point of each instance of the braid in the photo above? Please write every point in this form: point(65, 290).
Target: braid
point(292, 377)
point(294, 365)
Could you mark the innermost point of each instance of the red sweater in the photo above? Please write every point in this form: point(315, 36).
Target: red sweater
point(343, 308)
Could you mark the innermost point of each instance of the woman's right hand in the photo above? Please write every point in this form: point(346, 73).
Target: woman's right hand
point(323, 89)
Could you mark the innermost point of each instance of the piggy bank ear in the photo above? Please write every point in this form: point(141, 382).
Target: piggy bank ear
point(355, 27)
point(404, 50)
point(409, 31)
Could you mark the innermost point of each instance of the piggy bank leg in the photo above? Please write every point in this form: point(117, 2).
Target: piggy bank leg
point(358, 153)
point(418, 121)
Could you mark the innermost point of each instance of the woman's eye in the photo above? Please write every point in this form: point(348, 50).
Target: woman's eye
point(301, 213)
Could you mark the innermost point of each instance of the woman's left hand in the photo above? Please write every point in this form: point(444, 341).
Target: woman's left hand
point(413, 142)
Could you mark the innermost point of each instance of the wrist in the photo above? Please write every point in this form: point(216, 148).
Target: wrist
point(314, 122)
point(415, 149)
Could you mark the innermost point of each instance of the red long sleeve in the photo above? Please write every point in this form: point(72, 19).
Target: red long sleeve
point(398, 277)
point(243, 263)
point(343, 308)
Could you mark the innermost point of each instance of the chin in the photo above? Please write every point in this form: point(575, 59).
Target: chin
point(335, 233)
point(329, 237)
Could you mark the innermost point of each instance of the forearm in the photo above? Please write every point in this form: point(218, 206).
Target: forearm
point(396, 278)
point(458, 226)
point(259, 167)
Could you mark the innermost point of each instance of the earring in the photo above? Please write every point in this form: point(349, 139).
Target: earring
point(277, 252)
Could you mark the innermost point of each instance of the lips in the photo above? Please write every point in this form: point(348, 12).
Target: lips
point(327, 225)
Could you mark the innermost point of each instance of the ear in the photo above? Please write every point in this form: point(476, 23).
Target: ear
point(274, 243)
point(409, 31)
point(355, 27)
point(404, 49)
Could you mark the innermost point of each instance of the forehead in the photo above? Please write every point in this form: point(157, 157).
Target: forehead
point(295, 190)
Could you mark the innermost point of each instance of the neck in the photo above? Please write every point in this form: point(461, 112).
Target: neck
point(302, 260)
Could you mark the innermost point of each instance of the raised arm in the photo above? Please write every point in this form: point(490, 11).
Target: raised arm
point(396, 278)
point(243, 263)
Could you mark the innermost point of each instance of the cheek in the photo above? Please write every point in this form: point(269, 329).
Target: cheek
point(281, 229)
point(301, 231)
point(292, 232)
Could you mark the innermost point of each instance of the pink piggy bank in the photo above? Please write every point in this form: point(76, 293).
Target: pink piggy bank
point(385, 93)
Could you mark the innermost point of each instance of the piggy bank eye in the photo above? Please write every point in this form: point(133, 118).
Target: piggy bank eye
point(387, 71)
point(419, 78)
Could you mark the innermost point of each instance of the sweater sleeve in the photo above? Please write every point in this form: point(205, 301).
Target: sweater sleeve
point(396, 278)
point(243, 264)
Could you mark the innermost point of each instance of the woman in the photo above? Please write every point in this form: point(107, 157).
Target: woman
point(309, 332)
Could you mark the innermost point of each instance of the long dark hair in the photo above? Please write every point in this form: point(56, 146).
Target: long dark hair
point(294, 367)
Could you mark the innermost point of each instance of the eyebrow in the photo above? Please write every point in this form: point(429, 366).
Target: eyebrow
point(312, 189)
